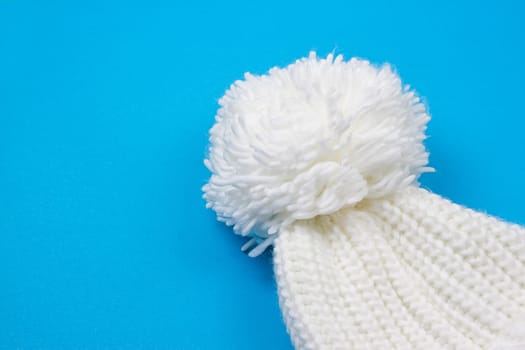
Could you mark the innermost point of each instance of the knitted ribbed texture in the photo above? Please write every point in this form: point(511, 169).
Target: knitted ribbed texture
point(410, 271)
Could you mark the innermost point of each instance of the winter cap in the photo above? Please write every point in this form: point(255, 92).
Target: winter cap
point(321, 160)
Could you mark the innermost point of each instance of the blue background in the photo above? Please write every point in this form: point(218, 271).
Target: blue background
point(104, 112)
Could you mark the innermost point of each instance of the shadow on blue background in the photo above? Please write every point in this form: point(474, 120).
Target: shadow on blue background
point(104, 111)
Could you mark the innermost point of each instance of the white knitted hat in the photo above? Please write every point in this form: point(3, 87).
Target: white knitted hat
point(321, 159)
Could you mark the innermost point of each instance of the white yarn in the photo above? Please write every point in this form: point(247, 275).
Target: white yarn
point(310, 139)
point(321, 160)
point(409, 271)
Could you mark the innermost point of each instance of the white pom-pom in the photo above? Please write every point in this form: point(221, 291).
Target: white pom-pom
point(310, 139)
